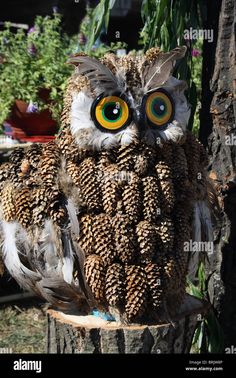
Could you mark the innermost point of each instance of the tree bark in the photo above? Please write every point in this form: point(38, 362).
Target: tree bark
point(89, 334)
point(222, 151)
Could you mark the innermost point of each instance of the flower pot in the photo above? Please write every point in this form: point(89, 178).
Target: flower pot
point(26, 126)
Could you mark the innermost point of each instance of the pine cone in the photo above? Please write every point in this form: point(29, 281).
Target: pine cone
point(115, 285)
point(110, 189)
point(103, 238)
point(4, 174)
point(86, 237)
point(33, 154)
point(126, 157)
point(166, 185)
point(106, 158)
point(16, 156)
point(23, 203)
point(68, 147)
point(136, 292)
point(39, 204)
point(95, 276)
point(89, 184)
point(151, 199)
point(154, 279)
point(192, 150)
point(132, 198)
point(73, 170)
point(8, 203)
point(147, 241)
point(165, 235)
point(145, 159)
point(180, 165)
point(166, 152)
point(170, 279)
point(49, 164)
point(182, 224)
point(56, 209)
point(124, 237)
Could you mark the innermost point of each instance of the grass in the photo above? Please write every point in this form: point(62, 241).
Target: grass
point(22, 329)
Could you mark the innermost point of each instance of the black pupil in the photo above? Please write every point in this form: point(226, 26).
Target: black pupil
point(112, 111)
point(159, 107)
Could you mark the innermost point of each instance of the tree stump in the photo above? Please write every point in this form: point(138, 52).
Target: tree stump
point(89, 334)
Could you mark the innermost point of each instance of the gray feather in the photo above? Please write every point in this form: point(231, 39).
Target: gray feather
point(99, 76)
point(157, 73)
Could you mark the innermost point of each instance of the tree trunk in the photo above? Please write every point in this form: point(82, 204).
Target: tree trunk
point(222, 151)
point(89, 334)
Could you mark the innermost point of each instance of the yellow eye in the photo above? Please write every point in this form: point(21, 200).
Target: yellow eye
point(159, 108)
point(111, 113)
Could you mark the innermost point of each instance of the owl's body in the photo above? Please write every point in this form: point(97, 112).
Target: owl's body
point(99, 218)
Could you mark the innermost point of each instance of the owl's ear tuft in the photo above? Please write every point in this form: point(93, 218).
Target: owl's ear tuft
point(158, 66)
point(73, 58)
point(101, 79)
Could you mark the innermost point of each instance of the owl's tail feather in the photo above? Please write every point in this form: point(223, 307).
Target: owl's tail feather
point(22, 274)
point(63, 295)
point(43, 261)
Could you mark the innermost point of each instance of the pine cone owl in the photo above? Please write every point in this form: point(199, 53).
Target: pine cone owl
point(99, 217)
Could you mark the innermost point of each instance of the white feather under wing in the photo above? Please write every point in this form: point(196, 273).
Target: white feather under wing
point(24, 276)
point(202, 232)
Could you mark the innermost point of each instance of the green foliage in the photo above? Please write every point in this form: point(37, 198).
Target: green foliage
point(164, 24)
point(208, 336)
point(97, 19)
point(33, 61)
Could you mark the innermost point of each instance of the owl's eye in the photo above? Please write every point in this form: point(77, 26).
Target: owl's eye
point(159, 108)
point(111, 113)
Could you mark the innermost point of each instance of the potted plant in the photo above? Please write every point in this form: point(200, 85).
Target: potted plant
point(33, 75)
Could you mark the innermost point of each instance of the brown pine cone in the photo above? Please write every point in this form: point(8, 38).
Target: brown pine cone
point(103, 238)
point(23, 203)
point(16, 156)
point(146, 234)
point(154, 279)
point(110, 188)
point(8, 203)
point(164, 175)
point(86, 237)
point(151, 199)
point(180, 165)
point(73, 170)
point(145, 159)
point(132, 198)
point(115, 285)
point(136, 292)
point(124, 237)
point(89, 184)
point(165, 235)
point(33, 154)
point(126, 157)
point(67, 145)
point(95, 276)
point(4, 174)
point(49, 164)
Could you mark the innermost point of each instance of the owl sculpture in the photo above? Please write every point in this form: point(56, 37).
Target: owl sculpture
point(99, 217)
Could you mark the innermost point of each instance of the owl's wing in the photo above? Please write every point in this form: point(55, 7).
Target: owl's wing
point(201, 243)
point(40, 227)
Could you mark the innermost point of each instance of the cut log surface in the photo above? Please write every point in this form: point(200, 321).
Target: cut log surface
point(90, 334)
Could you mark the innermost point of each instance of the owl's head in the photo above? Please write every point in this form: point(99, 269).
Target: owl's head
point(119, 100)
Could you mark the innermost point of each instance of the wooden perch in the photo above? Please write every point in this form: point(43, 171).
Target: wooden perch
point(89, 334)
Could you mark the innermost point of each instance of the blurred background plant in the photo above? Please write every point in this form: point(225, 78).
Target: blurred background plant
point(32, 61)
point(208, 336)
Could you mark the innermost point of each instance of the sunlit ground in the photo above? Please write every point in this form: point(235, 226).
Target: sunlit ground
point(22, 328)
